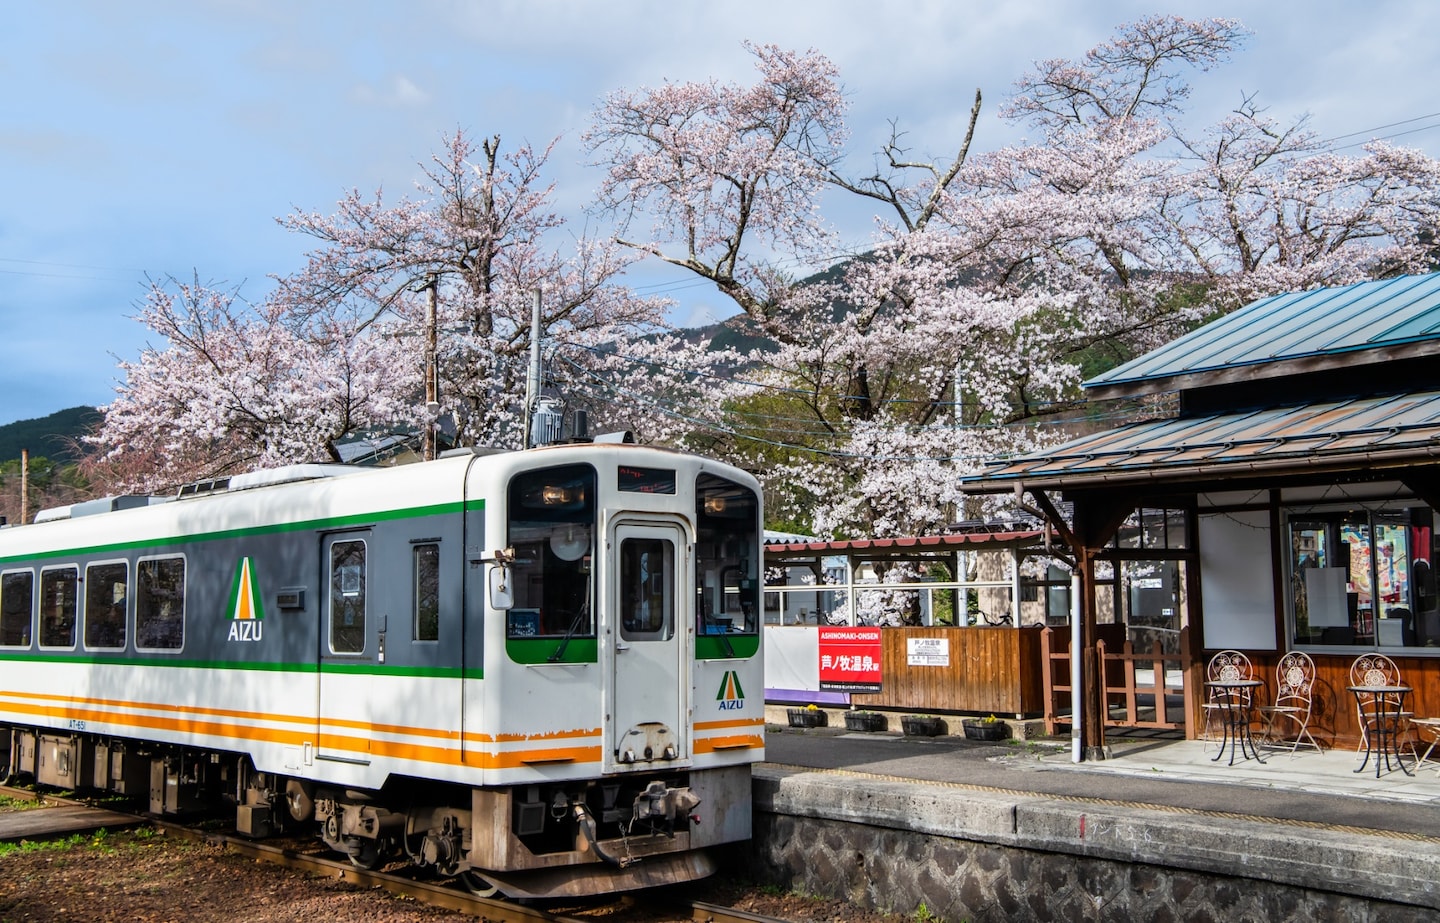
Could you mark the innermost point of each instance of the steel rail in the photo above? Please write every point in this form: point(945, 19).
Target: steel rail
point(435, 894)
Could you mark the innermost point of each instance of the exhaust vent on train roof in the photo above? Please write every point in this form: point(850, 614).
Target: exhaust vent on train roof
point(266, 477)
point(96, 507)
point(200, 488)
point(269, 477)
point(477, 450)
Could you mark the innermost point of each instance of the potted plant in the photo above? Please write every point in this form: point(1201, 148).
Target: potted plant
point(987, 728)
point(808, 717)
point(865, 721)
point(922, 725)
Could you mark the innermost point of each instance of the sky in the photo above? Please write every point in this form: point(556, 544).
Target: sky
point(152, 139)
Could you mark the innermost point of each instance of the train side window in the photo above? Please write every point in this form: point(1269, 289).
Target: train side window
point(107, 600)
point(427, 592)
point(17, 604)
point(59, 591)
point(727, 557)
point(160, 604)
point(347, 597)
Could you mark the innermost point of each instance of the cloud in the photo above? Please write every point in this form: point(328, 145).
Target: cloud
point(399, 92)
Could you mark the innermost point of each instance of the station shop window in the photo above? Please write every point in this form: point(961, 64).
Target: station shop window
point(1362, 576)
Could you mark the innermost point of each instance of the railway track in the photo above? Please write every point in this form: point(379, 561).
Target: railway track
point(445, 894)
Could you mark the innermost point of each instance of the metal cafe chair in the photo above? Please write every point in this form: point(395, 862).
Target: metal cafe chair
point(1294, 685)
point(1225, 666)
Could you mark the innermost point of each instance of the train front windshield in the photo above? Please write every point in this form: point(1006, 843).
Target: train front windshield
point(552, 520)
point(552, 529)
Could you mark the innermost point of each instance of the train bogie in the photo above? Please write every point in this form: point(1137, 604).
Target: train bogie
point(540, 669)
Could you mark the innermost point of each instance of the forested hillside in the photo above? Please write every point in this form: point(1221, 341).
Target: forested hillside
point(54, 437)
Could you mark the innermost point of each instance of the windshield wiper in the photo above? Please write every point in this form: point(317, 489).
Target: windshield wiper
point(569, 633)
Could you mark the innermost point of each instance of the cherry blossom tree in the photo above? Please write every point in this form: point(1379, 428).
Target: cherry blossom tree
point(339, 348)
point(1263, 208)
point(994, 283)
point(730, 174)
point(993, 278)
point(482, 232)
point(238, 387)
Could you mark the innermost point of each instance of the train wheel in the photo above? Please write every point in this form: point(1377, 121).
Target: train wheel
point(300, 799)
point(479, 885)
point(364, 854)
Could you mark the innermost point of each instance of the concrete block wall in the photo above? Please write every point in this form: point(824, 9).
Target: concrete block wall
point(981, 856)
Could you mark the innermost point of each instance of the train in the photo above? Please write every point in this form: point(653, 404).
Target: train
point(538, 671)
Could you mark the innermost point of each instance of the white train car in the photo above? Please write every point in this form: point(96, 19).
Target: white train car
point(540, 670)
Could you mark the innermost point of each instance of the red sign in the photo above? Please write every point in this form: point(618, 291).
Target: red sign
point(849, 659)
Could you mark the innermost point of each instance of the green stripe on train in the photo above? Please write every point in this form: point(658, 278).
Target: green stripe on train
point(329, 524)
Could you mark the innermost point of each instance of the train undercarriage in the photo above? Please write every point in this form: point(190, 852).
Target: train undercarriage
point(556, 839)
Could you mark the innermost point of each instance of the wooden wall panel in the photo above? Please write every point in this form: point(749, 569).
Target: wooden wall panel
point(991, 671)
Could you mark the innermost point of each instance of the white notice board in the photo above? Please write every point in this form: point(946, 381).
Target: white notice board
point(927, 652)
point(1236, 580)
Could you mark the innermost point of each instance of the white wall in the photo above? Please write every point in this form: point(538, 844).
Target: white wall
point(1236, 580)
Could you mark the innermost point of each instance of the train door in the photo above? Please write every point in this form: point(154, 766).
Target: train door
point(649, 676)
point(346, 647)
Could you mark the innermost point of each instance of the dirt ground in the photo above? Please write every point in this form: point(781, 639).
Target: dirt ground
point(144, 877)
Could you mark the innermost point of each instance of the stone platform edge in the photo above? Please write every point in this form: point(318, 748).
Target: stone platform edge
point(1345, 861)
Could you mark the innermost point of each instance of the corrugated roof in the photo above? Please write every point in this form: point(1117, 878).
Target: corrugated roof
point(1297, 326)
point(894, 546)
point(1330, 435)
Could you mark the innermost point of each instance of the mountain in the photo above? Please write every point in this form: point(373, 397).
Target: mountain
point(53, 437)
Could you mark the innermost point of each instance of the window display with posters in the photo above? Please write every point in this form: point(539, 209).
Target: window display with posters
point(1379, 559)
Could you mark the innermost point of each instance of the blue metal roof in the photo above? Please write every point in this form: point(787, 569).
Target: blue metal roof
point(1297, 325)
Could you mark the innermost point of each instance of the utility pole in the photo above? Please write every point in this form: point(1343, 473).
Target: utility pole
point(532, 377)
point(959, 412)
point(432, 372)
point(24, 486)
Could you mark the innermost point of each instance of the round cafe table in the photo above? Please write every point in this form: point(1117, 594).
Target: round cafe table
point(1234, 698)
point(1381, 708)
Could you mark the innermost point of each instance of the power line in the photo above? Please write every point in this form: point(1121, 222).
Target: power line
point(730, 429)
point(1378, 128)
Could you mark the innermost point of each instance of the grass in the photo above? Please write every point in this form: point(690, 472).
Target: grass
point(60, 844)
point(99, 840)
point(11, 803)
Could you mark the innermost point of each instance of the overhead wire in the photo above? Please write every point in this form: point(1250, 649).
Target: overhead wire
point(783, 389)
point(633, 398)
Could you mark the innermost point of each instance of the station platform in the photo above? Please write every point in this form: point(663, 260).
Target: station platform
point(1169, 774)
point(56, 820)
point(1304, 831)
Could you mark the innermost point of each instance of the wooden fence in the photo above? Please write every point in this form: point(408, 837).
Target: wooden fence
point(1151, 688)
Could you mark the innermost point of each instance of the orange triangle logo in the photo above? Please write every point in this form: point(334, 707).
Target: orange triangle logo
point(244, 600)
